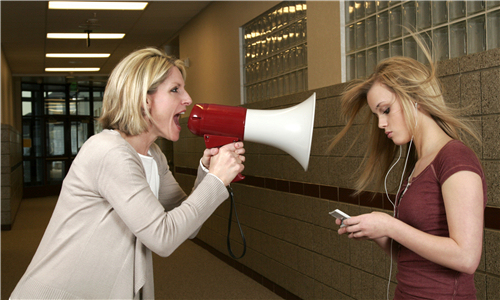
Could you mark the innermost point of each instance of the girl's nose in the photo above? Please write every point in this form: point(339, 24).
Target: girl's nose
point(382, 123)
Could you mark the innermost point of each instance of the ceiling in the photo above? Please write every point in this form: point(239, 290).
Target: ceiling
point(25, 25)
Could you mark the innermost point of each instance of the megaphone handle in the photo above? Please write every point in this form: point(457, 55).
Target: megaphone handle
point(216, 141)
point(238, 177)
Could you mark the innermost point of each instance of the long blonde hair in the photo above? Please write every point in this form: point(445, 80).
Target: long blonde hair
point(411, 82)
point(132, 80)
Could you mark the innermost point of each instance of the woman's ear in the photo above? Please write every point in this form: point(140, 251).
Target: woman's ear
point(148, 102)
point(146, 108)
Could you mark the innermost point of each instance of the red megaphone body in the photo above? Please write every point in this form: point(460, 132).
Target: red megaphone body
point(289, 129)
point(218, 124)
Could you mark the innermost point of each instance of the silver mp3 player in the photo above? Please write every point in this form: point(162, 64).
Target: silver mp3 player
point(340, 215)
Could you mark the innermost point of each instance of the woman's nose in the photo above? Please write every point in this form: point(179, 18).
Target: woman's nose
point(187, 100)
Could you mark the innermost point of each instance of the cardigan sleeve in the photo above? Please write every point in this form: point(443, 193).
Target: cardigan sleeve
point(122, 182)
point(171, 194)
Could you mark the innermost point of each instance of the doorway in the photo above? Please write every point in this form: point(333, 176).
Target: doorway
point(57, 119)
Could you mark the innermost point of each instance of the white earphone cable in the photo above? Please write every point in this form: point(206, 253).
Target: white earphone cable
point(394, 203)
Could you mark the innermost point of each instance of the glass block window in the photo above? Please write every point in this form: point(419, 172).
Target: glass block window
point(374, 30)
point(275, 52)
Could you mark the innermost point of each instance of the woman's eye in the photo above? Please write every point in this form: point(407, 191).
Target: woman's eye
point(387, 110)
point(174, 90)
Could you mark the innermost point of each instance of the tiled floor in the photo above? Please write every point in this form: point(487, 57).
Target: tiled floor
point(191, 272)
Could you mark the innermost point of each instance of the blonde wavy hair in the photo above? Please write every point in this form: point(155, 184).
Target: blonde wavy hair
point(136, 76)
point(412, 83)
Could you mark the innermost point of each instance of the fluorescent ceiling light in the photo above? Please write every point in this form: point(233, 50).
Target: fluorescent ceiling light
point(92, 36)
point(77, 55)
point(97, 5)
point(72, 69)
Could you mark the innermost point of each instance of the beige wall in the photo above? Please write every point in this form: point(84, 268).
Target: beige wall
point(11, 97)
point(211, 42)
point(324, 54)
point(7, 98)
point(12, 171)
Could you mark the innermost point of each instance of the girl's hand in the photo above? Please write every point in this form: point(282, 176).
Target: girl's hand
point(368, 226)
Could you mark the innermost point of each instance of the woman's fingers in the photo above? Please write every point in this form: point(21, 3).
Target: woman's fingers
point(228, 162)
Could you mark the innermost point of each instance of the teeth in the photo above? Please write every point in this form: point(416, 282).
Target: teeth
point(182, 113)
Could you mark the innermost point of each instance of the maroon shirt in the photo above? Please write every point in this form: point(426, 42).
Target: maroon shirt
point(422, 207)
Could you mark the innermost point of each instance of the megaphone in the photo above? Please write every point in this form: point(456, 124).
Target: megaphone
point(289, 129)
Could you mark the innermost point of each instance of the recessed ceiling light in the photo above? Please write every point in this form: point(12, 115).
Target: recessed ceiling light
point(72, 69)
point(79, 55)
point(97, 5)
point(84, 35)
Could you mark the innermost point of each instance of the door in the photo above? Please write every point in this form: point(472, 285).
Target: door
point(57, 120)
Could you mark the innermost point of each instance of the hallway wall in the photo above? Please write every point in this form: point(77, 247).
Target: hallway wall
point(9, 107)
point(12, 171)
point(291, 239)
point(211, 42)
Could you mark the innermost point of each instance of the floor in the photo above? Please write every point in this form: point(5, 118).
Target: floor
point(191, 272)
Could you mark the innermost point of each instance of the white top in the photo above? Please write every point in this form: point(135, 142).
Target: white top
point(151, 169)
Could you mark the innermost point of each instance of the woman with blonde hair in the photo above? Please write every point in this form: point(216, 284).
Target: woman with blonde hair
point(119, 200)
point(437, 226)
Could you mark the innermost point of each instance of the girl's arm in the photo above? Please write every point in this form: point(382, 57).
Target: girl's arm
point(463, 199)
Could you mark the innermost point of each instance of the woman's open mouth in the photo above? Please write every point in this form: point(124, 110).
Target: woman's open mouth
point(176, 119)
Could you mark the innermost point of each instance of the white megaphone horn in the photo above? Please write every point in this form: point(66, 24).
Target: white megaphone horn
point(289, 129)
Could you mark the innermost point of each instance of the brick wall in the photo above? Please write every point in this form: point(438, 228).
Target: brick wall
point(292, 242)
point(12, 174)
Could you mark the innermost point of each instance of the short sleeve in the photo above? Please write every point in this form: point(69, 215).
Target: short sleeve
point(454, 158)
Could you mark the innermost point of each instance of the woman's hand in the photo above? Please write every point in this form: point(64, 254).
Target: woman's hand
point(225, 162)
point(207, 155)
point(368, 226)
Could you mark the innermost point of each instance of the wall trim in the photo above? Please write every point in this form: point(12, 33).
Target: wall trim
point(366, 199)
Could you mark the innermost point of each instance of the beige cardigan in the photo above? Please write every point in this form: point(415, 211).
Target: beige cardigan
point(97, 244)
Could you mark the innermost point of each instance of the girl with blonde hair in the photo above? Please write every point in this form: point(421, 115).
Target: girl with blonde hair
point(119, 200)
point(437, 226)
